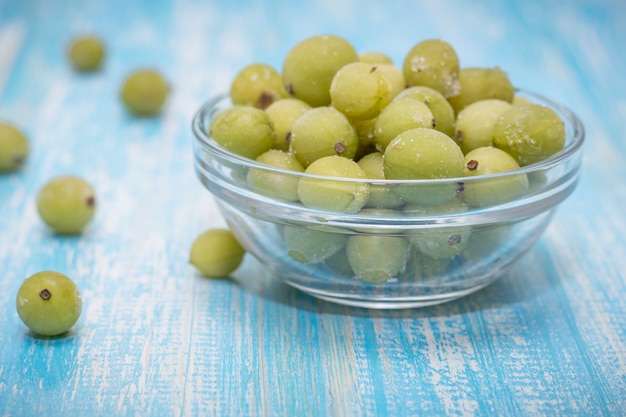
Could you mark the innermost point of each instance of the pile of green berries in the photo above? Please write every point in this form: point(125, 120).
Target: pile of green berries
point(333, 112)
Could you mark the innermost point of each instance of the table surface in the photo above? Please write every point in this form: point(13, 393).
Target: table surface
point(157, 339)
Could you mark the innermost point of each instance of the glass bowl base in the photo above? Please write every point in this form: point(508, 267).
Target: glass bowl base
point(390, 303)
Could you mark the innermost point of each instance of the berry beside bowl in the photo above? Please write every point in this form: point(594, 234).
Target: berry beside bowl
point(439, 240)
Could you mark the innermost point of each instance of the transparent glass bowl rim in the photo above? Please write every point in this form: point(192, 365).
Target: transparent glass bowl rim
point(571, 148)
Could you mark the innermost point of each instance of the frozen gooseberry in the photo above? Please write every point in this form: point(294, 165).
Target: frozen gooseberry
point(436, 102)
point(86, 53)
point(14, 147)
point(474, 124)
point(275, 184)
point(323, 131)
point(517, 99)
point(395, 76)
point(283, 113)
point(529, 133)
point(423, 268)
point(487, 242)
point(360, 90)
point(49, 303)
point(423, 154)
point(380, 195)
point(334, 194)
point(66, 204)
point(310, 65)
point(374, 57)
point(365, 131)
point(144, 92)
point(480, 84)
point(489, 191)
point(377, 258)
point(433, 63)
point(399, 116)
point(216, 253)
point(440, 242)
point(244, 130)
point(257, 85)
point(309, 246)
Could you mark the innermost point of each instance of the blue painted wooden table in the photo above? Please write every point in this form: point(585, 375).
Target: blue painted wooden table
point(157, 339)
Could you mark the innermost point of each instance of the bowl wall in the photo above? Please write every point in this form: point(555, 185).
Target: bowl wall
point(428, 247)
point(422, 280)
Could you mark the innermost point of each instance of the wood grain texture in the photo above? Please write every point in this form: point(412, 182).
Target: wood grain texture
point(156, 339)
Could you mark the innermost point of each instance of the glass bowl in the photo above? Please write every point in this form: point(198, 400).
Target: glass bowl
point(427, 248)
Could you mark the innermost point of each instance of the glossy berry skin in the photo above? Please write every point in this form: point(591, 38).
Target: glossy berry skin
point(310, 246)
point(423, 154)
point(216, 253)
point(482, 84)
point(433, 63)
point(332, 194)
point(360, 90)
point(283, 113)
point(273, 183)
point(244, 130)
point(374, 57)
point(49, 303)
point(86, 53)
point(474, 124)
point(257, 85)
point(399, 116)
point(144, 92)
point(320, 132)
point(439, 106)
point(529, 133)
point(14, 148)
point(380, 195)
point(66, 204)
point(376, 259)
point(310, 65)
point(490, 191)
